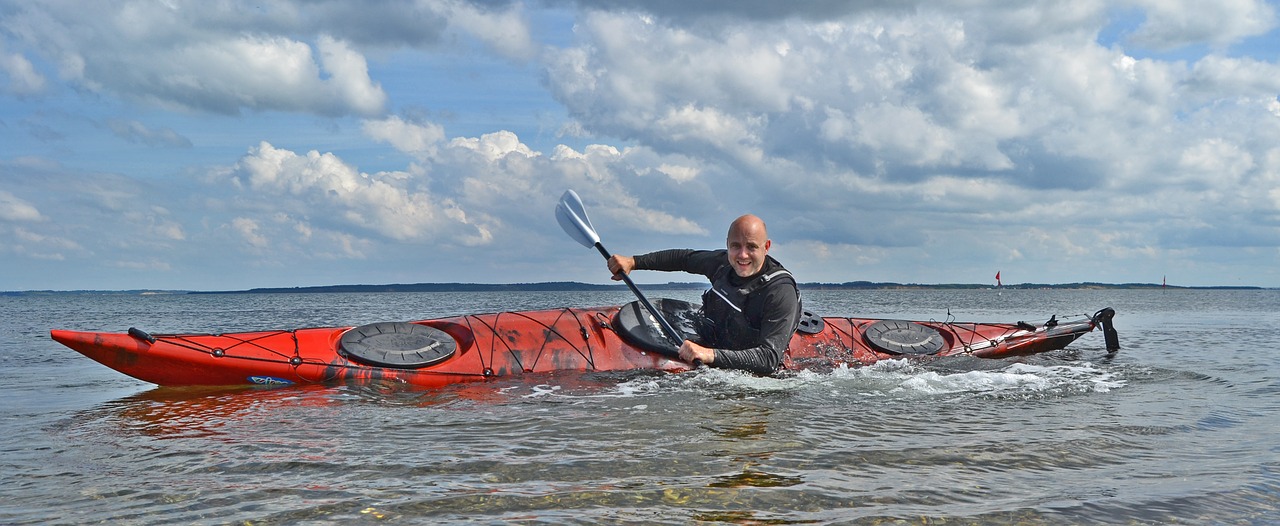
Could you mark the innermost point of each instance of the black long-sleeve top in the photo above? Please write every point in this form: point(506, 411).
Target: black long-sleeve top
point(774, 309)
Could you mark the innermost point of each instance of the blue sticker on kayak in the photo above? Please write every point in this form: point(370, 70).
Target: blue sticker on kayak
point(268, 380)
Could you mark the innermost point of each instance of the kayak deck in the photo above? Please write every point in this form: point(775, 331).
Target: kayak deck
point(477, 347)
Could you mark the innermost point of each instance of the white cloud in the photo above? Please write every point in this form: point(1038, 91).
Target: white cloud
point(678, 173)
point(252, 72)
point(249, 231)
point(734, 135)
point(422, 141)
point(160, 224)
point(42, 247)
point(1172, 24)
point(607, 170)
point(905, 132)
point(144, 264)
point(137, 132)
point(1215, 161)
point(23, 79)
point(226, 57)
point(494, 146)
point(504, 30)
point(349, 76)
point(1270, 179)
point(1214, 76)
point(15, 209)
point(382, 204)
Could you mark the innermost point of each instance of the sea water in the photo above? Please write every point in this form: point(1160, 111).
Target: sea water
point(1179, 427)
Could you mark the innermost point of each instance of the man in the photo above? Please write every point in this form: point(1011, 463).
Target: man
point(753, 306)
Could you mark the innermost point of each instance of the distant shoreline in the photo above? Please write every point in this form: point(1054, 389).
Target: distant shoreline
point(573, 286)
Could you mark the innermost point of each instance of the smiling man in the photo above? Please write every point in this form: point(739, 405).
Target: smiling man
point(753, 305)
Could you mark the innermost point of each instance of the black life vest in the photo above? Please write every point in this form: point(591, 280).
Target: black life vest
point(732, 314)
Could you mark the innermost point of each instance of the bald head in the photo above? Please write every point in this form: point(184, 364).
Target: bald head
point(748, 223)
point(748, 244)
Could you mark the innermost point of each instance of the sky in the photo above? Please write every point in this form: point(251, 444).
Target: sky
point(228, 145)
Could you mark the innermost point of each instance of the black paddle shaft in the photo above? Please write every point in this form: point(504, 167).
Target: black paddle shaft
point(666, 327)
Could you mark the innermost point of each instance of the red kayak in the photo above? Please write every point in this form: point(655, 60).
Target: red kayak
point(477, 347)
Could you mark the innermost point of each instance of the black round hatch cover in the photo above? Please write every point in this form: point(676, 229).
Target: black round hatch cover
point(639, 328)
point(397, 344)
point(810, 323)
point(904, 337)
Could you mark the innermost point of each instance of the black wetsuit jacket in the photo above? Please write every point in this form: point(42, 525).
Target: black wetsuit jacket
point(750, 320)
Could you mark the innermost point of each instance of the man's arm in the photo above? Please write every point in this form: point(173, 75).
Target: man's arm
point(702, 262)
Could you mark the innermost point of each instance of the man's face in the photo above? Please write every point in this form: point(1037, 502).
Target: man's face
point(748, 245)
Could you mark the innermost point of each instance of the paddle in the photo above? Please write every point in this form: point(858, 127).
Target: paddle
point(573, 219)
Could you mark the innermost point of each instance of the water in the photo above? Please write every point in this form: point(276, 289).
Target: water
point(1180, 427)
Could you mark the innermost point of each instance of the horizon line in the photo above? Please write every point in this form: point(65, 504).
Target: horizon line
point(569, 286)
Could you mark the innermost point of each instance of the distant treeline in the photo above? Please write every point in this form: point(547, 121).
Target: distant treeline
point(1034, 286)
point(552, 286)
point(570, 286)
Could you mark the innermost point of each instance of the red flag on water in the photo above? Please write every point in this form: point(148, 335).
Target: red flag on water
point(997, 278)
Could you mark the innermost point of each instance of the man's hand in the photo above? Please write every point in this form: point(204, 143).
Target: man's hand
point(620, 265)
point(692, 352)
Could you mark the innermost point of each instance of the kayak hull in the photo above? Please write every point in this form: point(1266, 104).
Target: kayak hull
point(507, 344)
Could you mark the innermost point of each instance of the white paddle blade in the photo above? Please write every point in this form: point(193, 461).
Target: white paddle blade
point(572, 217)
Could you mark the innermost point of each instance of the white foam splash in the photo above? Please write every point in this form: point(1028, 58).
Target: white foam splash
point(890, 379)
point(901, 378)
point(542, 390)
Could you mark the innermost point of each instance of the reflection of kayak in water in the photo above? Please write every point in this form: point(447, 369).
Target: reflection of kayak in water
point(438, 352)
